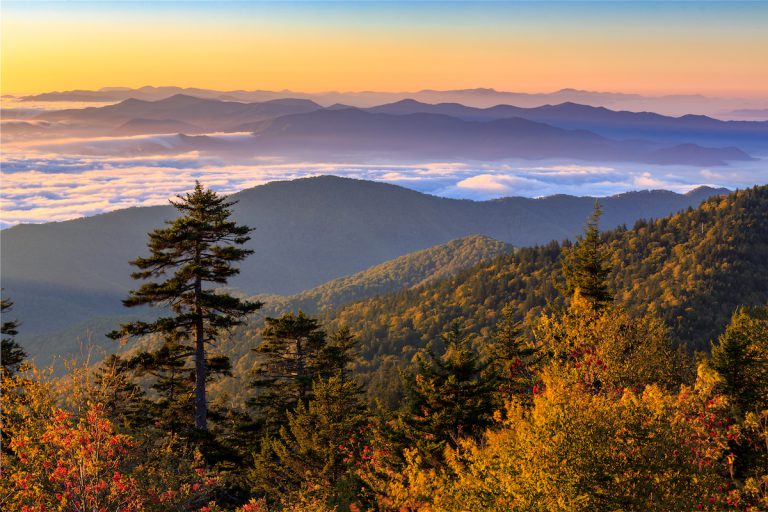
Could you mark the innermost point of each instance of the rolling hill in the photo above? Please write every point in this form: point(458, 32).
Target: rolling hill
point(692, 269)
point(308, 231)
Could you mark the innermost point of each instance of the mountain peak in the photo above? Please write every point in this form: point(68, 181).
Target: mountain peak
point(182, 98)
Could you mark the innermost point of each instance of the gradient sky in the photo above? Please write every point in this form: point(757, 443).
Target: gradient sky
point(667, 47)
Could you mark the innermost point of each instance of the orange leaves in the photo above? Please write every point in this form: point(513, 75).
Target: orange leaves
point(71, 466)
point(78, 464)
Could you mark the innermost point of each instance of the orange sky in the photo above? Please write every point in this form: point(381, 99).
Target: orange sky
point(661, 48)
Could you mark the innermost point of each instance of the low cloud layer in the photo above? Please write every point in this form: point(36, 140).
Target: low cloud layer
point(39, 185)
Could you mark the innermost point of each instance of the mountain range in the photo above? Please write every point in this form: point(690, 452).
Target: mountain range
point(307, 232)
point(675, 105)
point(406, 130)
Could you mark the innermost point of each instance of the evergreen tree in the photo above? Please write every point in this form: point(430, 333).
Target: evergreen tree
point(290, 357)
point(12, 356)
point(512, 357)
point(451, 396)
point(339, 354)
point(173, 380)
point(199, 247)
point(741, 358)
point(585, 265)
point(316, 451)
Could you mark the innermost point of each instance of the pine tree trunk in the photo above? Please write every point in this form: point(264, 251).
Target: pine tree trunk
point(201, 407)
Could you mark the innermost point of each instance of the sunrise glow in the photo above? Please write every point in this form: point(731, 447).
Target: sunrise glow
point(654, 48)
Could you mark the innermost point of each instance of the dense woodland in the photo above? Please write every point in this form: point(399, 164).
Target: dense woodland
point(625, 371)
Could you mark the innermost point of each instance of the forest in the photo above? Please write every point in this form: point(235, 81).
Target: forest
point(626, 370)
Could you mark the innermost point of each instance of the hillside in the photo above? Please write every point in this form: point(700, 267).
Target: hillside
point(407, 271)
point(692, 269)
point(308, 232)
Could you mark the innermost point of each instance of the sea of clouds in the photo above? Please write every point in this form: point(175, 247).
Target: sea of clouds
point(68, 179)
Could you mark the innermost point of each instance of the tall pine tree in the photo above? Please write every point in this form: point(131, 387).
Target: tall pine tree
point(197, 249)
point(585, 265)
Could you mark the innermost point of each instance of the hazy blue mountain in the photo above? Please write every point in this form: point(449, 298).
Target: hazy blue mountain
point(650, 126)
point(354, 132)
point(142, 126)
point(206, 114)
point(308, 231)
point(408, 129)
point(676, 104)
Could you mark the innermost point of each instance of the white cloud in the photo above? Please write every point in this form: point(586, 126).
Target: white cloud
point(493, 183)
point(41, 184)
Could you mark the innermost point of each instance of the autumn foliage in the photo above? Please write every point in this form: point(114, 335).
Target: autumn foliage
point(584, 405)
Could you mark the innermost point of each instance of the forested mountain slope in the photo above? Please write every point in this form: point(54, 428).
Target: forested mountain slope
point(307, 232)
point(692, 269)
point(407, 271)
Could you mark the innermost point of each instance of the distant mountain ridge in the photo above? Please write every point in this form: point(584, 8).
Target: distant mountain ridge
point(202, 114)
point(675, 104)
point(331, 133)
point(689, 128)
point(409, 130)
point(308, 231)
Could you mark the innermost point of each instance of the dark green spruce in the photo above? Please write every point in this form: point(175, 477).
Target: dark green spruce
point(451, 396)
point(194, 257)
point(289, 360)
point(585, 265)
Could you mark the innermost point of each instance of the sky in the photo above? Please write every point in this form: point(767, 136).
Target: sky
point(713, 48)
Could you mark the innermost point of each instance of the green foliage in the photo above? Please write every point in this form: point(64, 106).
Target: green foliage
point(689, 270)
point(450, 396)
point(316, 452)
point(289, 362)
point(740, 356)
point(514, 357)
point(585, 265)
point(199, 247)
